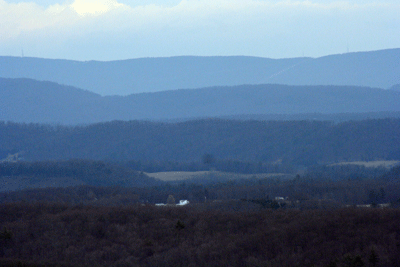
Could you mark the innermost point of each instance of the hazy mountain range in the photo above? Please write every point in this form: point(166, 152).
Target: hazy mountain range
point(395, 87)
point(26, 100)
point(373, 69)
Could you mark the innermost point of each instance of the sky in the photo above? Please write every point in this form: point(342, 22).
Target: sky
point(122, 29)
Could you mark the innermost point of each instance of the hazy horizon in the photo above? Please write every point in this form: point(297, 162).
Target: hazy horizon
point(182, 56)
point(105, 30)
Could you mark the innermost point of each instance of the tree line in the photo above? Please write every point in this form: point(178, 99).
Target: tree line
point(336, 187)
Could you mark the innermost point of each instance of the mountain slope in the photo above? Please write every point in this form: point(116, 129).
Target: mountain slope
point(395, 87)
point(24, 100)
point(126, 77)
point(374, 69)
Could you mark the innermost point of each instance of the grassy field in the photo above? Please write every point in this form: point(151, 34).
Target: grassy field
point(372, 164)
point(175, 176)
point(181, 175)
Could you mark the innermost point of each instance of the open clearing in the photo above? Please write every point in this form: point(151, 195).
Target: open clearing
point(372, 164)
point(175, 176)
point(181, 175)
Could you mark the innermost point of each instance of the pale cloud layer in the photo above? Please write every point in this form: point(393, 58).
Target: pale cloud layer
point(111, 29)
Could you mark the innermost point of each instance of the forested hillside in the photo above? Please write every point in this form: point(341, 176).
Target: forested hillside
point(334, 117)
point(25, 100)
point(291, 142)
point(22, 175)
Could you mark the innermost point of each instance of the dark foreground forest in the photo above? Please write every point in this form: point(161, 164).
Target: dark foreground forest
point(330, 216)
point(142, 235)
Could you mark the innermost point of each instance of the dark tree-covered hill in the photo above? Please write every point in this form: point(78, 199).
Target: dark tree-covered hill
point(21, 175)
point(295, 142)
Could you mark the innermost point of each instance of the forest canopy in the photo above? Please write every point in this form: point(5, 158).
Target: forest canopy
point(292, 142)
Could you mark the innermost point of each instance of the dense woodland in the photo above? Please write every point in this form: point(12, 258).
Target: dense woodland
point(64, 235)
point(89, 172)
point(333, 117)
point(290, 142)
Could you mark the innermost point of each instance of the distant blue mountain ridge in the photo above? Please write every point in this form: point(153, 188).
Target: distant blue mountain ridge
point(379, 69)
point(395, 87)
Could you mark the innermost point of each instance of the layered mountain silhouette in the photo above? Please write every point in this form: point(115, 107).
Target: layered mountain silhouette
point(27, 100)
point(395, 87)
point(373, 69)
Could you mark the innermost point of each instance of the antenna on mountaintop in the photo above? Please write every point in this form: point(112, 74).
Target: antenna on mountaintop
point(22, 52)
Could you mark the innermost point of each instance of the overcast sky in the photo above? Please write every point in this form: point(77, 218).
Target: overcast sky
point(122, 29)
